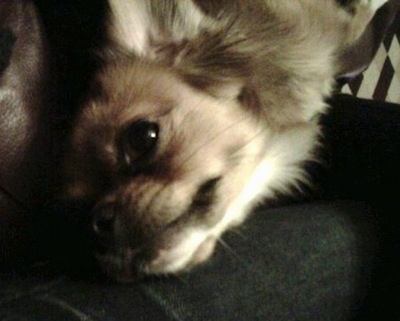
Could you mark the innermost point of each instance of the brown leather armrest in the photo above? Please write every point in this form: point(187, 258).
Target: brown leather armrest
point(25, 132)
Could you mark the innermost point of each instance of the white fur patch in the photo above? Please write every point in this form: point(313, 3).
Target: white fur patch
point(175, 259)
point(279, 169)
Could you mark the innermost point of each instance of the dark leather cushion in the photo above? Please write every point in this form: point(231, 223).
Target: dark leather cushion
point(25, 140)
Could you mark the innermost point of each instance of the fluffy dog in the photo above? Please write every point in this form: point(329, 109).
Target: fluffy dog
point(202, 109)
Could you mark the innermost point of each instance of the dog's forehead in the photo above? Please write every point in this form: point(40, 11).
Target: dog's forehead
point(138, 90)
point(138, 75)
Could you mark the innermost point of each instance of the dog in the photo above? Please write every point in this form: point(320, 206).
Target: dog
point(201, 110)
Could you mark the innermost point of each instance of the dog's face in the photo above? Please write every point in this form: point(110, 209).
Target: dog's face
point(161, 162)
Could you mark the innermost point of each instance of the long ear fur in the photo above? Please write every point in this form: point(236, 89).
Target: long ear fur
point(178, 34)
point(130, 24)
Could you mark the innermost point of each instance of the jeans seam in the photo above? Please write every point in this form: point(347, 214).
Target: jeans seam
point(158, 299)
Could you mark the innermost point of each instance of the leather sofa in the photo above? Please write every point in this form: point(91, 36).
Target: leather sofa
point(25, 127)
point(329, 254)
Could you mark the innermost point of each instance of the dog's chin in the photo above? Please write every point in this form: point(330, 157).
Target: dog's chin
point(121, 266)
point(130, 265)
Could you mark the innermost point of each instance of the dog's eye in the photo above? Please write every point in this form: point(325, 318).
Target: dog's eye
point(139, 141)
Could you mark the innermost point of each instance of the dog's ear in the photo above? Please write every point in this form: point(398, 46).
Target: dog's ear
point(155, 29)
point(129, 25)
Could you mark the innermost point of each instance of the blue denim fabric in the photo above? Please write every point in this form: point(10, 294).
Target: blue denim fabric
point(300, 262)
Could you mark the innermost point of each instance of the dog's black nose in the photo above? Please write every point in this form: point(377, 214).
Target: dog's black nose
point(104, 221)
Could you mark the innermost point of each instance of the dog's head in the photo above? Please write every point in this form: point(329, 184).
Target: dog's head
point(170, 147)
point(161, 158)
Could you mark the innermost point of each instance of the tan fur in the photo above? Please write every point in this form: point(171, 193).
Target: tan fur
point(235, 87)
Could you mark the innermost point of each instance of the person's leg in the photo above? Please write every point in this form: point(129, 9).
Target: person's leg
point(303, 262)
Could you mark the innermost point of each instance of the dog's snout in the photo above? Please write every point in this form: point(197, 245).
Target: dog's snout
point(104, 221)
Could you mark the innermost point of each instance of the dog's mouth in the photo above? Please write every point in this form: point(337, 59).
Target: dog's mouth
point(170, 252)
point(163, 235)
